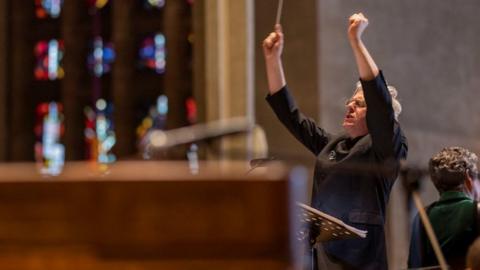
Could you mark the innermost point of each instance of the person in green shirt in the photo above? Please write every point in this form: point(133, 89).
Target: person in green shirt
point(453, 171)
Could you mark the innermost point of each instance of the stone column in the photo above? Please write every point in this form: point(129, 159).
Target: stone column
point(229, 68)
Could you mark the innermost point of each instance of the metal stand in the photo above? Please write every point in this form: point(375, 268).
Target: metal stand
point(314, 259)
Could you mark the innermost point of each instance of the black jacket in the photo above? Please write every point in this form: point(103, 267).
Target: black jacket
point(353, 177)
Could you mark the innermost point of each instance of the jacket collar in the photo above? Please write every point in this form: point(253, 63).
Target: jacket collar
point(449, 196)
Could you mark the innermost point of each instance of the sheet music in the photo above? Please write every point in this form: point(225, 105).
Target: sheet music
point(328, 227)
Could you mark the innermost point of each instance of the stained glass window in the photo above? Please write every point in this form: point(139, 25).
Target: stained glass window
point(49, 152)
point(48, 8)
point(191, 109)
point(49, 55)
point(97, 4)
point(156, 118)
point(101, 57)
point(152, 53)
point(150, 4)
point(99, 132)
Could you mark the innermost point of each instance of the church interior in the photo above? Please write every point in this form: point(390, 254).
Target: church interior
point(136, 134)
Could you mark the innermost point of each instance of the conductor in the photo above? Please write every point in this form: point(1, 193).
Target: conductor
point(354, 170)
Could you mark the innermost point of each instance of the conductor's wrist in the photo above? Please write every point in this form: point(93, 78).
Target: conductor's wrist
point(354, 39)
point(274, 58)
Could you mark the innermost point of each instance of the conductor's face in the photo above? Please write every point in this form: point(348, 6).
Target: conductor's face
point(355, 122)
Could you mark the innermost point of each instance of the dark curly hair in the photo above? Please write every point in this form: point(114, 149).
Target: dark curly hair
point(449, 167)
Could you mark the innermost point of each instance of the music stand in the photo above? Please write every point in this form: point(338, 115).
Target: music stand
point(326, 227)
point(317, 226)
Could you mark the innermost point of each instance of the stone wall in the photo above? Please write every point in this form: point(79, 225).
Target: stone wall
point(428, 49)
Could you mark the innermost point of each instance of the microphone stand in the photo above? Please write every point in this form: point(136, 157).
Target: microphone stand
point(411, 178)
point(259, 162)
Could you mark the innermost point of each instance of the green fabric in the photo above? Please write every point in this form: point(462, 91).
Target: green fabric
point(453, 220)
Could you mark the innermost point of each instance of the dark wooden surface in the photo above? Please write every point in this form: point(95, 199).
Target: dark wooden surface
point(146, 215)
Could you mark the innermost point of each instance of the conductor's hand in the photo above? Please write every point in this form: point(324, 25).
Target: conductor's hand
point(357, 24)
point(273, 44)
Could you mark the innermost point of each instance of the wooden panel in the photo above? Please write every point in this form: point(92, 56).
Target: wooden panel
point(146, 215)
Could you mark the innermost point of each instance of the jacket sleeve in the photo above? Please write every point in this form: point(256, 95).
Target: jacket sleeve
point(388, 140)
point(304, 129)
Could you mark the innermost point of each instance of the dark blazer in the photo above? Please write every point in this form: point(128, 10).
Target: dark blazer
point(353, 177)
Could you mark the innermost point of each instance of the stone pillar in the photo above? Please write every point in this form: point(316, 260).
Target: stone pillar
point(229, 68)
point(123, 87)
point(21, 103)
point(75, 88)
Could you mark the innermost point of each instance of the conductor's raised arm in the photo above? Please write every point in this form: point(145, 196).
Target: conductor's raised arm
point(272, 51)
point(367, 68)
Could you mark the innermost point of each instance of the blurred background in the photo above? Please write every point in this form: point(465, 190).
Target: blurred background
point(91, 79)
